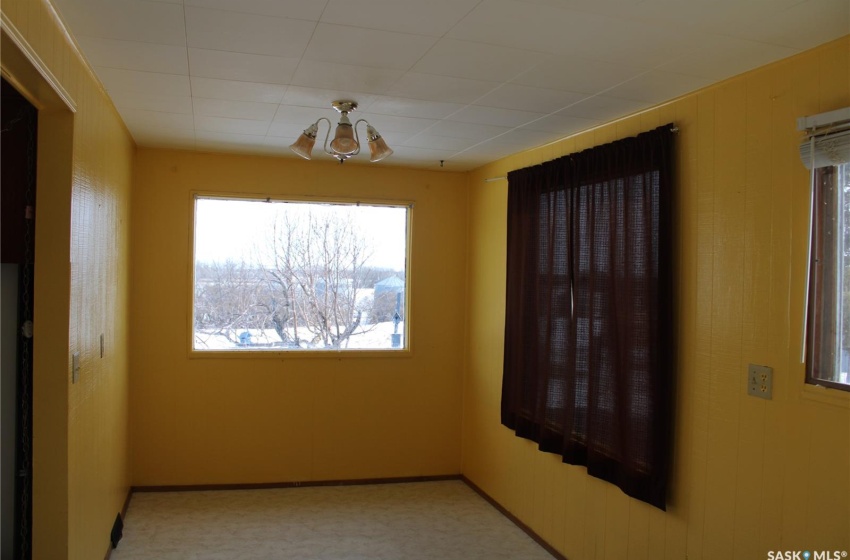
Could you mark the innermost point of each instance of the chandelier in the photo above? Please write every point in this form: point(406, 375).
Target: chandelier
point(346, 142)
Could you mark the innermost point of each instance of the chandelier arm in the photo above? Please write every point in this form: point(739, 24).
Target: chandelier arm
point(327, 134)
point(357, 136)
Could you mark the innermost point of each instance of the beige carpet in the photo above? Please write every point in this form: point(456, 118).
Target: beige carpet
point(425, 520)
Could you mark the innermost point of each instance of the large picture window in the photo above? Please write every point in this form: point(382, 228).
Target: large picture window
point(274, 275)
point(588, 328)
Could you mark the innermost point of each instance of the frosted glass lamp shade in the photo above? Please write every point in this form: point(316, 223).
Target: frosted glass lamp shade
point(378, 149)
point(344, 142)
point(304, 145)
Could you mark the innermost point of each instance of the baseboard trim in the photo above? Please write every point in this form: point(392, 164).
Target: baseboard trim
point(123, 515)
point(300, 484)
point(526, 529)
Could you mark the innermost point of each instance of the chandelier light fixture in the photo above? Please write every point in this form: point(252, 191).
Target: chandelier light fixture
point(346, 142)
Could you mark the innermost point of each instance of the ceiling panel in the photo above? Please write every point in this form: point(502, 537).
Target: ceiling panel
point(237, 91)
point(433, 18)
point(247, 33)
point(134, 55)
point(464, 81)
point(128, 99)
point(533, 99)
point(443, 89)
point(296, 9)
point(241, 67)
point(232, 126)
point(342, 77)
point(126, 20)
point(234, 109)
point(477, 61)
point(153, 83)
point(367, 47)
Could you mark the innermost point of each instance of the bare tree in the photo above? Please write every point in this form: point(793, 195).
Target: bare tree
point(227, 299)
point(318, 260)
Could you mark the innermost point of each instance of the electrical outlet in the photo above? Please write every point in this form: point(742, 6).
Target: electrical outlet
point(760, 381)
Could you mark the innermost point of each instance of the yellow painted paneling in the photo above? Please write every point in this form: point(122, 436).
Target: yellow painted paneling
point(244, 420)
point(749, 475)
point(81, 431)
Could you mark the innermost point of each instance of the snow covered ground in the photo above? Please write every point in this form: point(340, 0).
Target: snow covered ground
point(369, 337)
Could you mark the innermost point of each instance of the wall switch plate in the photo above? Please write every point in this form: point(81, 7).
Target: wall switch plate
point(75, 367)
point(760, 381)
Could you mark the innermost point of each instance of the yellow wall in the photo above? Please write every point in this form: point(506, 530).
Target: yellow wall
point(248, 420)
point(749, 475)
point(81, 435)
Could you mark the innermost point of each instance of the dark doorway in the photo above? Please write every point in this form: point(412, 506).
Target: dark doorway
point(17, 253)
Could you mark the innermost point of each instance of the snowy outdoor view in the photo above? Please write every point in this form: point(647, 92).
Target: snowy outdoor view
point(291, 275)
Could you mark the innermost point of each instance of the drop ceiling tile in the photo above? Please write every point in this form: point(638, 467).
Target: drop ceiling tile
point(322, 98)
point(138, 119)
point(432, 142)
point(241, 66)
point(208, 137)
point(658, 86)
point(366, 47)
point(455, 129)
point(231, 126)
point(344, 77)
point(433, 18)
point(421, 154)
point(494, 116)
point(385, 105)
point(603, 108)
point(802, 26)
point(524, 139)
point(542, 28)
point(153, 83)
point(477, 61)
point(561, 124)
point(237, 91)
point(151, 102)
point(443, 89)
point(133, 55)
point(577, 74)
point(295, 9)
point(721, 57)
point(234, 109)
point(247, 33)
point(290, 131)
point(486, 150)
point(387, 124)
point(302, 117)
point(127, 20)
point(642, 45)
point(524, 98)
point(717, 16)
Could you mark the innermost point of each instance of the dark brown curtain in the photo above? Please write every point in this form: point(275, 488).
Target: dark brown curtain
point(588, 333)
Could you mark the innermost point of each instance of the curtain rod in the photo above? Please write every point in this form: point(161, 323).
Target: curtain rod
point(673, 129)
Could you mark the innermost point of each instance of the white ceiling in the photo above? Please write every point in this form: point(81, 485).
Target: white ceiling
point(465, 81)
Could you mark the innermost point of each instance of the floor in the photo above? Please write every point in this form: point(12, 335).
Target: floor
point(425, 520)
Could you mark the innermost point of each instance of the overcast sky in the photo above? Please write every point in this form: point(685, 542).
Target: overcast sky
point(231, 229)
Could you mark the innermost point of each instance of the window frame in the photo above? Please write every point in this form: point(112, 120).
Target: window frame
point(406, 351)
point(824, 301)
